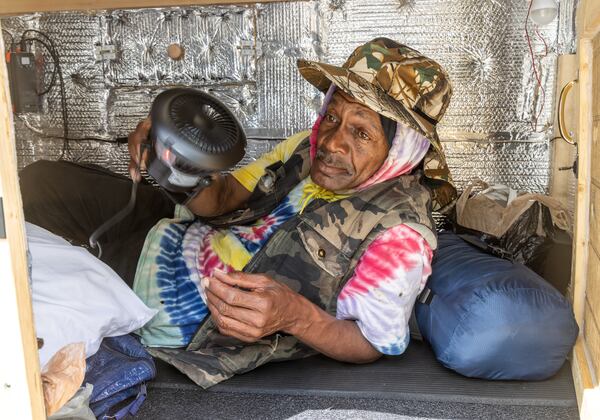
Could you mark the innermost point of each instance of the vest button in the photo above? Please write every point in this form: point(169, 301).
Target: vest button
point(321, 253)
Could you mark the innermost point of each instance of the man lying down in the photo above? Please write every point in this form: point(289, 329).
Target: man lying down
point(330, 258)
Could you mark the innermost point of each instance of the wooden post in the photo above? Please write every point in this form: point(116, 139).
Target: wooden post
point(20, 382)
point(582, 212)
point(586, 351)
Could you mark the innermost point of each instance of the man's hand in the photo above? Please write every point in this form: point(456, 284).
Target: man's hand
point(134, 142)
point(250, 306)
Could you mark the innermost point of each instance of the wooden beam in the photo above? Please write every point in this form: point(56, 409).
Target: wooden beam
point(588, 19)
point(582, 211)
point(586, 389)
point(585, 287)
point(580, 368)
point(19, 7)
point(21, 386)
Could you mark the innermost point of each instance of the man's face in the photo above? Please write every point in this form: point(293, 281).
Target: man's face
point(351, 145)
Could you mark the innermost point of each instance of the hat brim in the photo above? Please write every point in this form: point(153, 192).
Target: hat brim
point(321, 75)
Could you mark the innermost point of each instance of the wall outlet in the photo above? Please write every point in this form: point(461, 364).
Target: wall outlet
point(105, 52)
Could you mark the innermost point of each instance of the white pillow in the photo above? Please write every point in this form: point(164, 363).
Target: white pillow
point(76, 297)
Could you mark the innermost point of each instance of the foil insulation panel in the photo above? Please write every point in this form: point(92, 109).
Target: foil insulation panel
point(567, 31)
point(130, 105)
point(286, 32)
point(482, 46)
point(218, 44)
point(518, 164)
point(497, 127)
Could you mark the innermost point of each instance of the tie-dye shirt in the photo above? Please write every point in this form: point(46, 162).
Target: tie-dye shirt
point(179, 252)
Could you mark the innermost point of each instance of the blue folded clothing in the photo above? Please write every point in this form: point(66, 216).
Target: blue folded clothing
point(493, 319)
point(119, 372)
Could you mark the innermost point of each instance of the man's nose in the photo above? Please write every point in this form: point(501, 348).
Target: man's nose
point(337, 142)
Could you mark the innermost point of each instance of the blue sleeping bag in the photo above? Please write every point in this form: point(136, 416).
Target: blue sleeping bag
point(493, 319)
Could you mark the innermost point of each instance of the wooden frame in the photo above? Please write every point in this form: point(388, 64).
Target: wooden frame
point(584, 375)
point(21, 390)
point(17, 7)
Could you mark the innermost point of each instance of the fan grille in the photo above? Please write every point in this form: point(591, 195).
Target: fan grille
point(205, 123)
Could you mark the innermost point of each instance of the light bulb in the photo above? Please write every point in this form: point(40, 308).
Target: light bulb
point(543, 11)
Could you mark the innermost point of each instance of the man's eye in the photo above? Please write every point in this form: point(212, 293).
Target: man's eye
point(363, 135)
point(330, 118)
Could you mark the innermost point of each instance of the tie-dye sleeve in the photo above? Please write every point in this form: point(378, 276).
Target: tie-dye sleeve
point(386, 282)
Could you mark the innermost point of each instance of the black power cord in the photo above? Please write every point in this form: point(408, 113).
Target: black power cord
point(48, 44)
point(31, 36)
point(124, 212)
point(12, 39)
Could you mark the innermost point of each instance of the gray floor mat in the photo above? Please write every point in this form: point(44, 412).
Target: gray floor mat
point(167, 404)
point(416, 376)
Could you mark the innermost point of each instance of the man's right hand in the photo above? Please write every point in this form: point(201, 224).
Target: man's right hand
point(138, 158)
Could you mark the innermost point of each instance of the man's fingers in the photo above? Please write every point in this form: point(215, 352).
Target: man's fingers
point(232, 295)
point(247, 316)
point(144, 159)
point(134, 172)
point(245, 280)
point(136, 138)
point(133, 147)
point(232, 327)
point(146, 124)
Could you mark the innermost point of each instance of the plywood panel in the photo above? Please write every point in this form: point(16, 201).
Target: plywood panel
point(591, 331)
point(596, 112)
point(592, 309)
point(596, 144)
point(582, 378)
point(18, 7)
point(586, 296)
point(592, 337)
point(595, 215)
point(582, 211)
point(588, 19)
point(593, 284)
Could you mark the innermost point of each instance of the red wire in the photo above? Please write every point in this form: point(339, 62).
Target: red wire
point(535, 71)
point(544, 41)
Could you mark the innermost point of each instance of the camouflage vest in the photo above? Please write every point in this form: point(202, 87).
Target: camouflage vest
point(324, 243)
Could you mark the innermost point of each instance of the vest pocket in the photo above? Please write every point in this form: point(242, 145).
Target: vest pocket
point(323, 253)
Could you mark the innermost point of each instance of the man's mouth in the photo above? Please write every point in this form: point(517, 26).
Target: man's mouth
point(330, 166)
point(330, 170)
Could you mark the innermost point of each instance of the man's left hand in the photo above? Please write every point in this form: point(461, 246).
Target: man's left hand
point(250, 306)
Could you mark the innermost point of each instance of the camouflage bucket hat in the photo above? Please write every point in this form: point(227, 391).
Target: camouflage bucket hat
point(401, 84)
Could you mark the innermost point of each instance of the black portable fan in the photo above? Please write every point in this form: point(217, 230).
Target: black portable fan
point(193, 135)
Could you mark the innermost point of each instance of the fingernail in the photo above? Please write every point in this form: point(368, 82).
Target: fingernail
point(218, 270)
point(205, 282)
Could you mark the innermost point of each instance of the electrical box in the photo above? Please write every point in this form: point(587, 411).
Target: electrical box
point(23, 82)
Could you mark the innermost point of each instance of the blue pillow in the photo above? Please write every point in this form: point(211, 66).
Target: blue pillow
point(493, 319)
